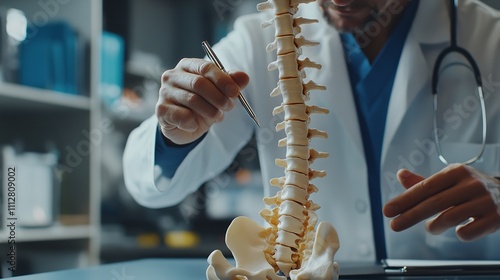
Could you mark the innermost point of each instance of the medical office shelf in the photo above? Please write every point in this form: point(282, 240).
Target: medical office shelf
point(41, 118)
point(57, 232)
point(19, 97)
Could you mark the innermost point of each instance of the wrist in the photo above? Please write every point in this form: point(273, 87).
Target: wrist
point(169, 142)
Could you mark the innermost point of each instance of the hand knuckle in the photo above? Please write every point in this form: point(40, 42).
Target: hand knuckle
point(205, 68)
point(192, 98)
point(456, 170)
point(165, 77)
point(163, 93)
point(175, 117)
point(184, 61)
point(214, 114)
point(199, 83)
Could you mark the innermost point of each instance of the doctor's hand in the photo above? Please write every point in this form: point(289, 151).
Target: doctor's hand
point(456, 194)
point(193, 96)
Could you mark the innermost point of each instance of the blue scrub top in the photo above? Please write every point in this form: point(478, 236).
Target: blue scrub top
point(372, 85)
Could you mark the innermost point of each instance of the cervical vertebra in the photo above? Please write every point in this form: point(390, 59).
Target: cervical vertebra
point(291, 244)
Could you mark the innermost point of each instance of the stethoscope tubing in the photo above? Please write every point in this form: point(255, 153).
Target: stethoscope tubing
point(454, 48)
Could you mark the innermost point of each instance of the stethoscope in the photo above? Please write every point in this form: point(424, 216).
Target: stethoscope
point(454, 48)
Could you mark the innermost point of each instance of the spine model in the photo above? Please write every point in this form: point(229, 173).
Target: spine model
point(291, 247)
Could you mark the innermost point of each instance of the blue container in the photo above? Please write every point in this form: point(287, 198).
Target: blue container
point(112, 67)
point(49, 59)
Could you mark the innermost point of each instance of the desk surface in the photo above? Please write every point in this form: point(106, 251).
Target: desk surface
point(187, 269)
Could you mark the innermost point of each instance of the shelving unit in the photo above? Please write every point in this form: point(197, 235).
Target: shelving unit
point(14, 97)
point(35, 119)
point(56, 232)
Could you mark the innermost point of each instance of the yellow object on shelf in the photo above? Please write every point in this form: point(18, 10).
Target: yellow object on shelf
point(181, 239)
point(148, 240)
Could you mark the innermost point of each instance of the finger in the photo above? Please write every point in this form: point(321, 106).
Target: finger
point(171, 116)
point(223, 81)
point(451, 197)
point(241, 78)
point(197, 104)
point(202, 87)
point(456, 215)
point(408, 178)
point(421, 191)
point(479, 227)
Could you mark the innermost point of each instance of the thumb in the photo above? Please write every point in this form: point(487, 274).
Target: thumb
point(408, 178)
point(241, 78)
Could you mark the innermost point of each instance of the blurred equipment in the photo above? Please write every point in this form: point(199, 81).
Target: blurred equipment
point(112, 57)
point(52, 58)
point(13, 26)
point(34, 184)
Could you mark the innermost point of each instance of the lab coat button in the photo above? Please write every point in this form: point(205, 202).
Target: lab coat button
point(361, 206)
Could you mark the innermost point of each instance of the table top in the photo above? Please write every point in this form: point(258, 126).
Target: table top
point(166, 269)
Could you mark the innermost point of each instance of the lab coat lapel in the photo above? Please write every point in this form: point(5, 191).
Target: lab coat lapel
point(430, 27)
point(343, 103)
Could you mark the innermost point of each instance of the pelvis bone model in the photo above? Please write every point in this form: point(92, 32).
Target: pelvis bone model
point(291, 247)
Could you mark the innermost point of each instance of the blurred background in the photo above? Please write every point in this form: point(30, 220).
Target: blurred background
point(76, 76)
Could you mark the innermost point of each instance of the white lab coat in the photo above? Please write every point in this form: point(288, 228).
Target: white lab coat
point(408, 141)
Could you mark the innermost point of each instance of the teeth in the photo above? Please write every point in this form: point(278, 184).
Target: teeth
point(291, 243)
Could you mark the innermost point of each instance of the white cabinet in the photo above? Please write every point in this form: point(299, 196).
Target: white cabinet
point(37, 120)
